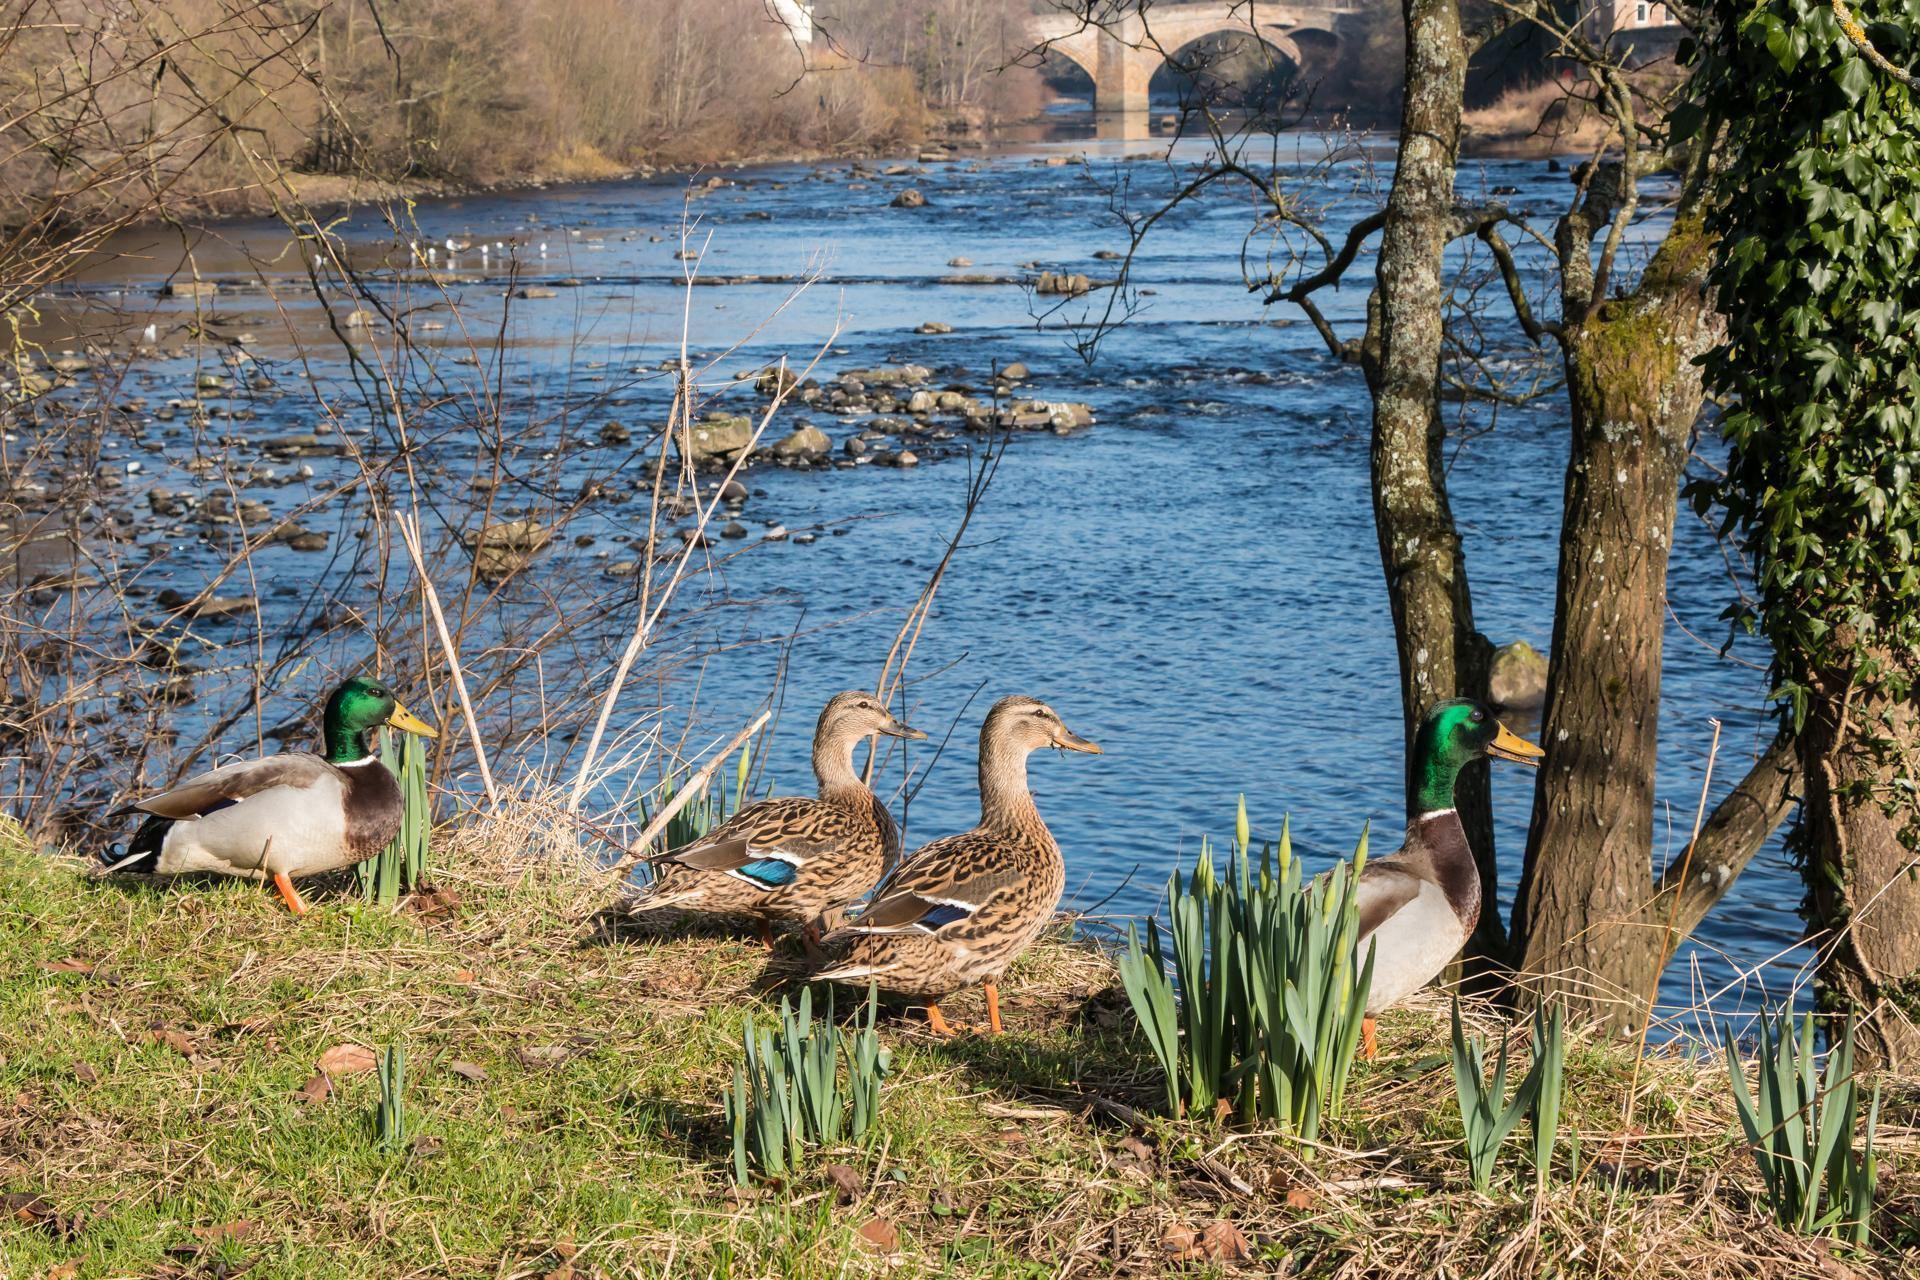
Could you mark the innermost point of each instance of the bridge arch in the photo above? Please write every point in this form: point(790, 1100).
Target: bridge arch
point(1122, 56)
point(1233, 65)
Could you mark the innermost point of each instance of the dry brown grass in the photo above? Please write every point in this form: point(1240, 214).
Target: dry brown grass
point(594, 1132)
point(248, 96)
point(1546, 118)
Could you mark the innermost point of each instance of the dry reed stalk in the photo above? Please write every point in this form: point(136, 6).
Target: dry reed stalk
point(411, 535)
point(695, 785)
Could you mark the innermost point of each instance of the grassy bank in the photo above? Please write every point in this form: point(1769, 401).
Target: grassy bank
point(157, 1059)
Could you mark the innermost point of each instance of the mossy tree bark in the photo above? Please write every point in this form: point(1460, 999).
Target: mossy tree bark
point(1441, 655)
point(1861, 751)
point(1581, 923)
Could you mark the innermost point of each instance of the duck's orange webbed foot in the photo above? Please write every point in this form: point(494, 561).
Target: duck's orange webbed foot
point(288, 893)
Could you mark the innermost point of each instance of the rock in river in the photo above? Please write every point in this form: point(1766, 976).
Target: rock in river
point(910, 199)
point(1518, 679)
point(500, 549)
point(1070, 283)
point(808, 442)
point(718, 438)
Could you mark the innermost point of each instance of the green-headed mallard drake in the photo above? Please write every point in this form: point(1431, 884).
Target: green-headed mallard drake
point(791, 858)
point(960, 909)
point(291, 814)
point(1419, 904)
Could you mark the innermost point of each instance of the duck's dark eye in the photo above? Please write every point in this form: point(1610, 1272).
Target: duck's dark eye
point(1478, 715)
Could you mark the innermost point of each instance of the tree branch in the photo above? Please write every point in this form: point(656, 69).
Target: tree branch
point(1734, 832)
point(1516, 290)
point(1844, 16)
point(1357, 235)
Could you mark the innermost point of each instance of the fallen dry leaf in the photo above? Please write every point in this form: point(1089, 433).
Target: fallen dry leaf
point(30, 1208)
point(1218, 1241)
point(235, 1230)
point(426, 1145)
point(880, 1234)
point(430, 903)
point(178, 1041)
point(1012, 1137)
point(65, 1271)
point(541, 1055)
point(1302, 1198)
point(463, 976)
point(70, 964)
point(468, 1071)
point(1223, 1242)
point(85, 1073)
point(562, 1272)
point(346, 1060)
point(1137, 1149)
point(317, 1089)
point(846, 1182)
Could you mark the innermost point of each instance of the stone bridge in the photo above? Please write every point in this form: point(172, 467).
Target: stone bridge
point(1122, 53)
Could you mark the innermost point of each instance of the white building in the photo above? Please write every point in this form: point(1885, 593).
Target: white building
point(796, 16)
point(1610, 18)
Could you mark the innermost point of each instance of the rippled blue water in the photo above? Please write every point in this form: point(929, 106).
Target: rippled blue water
point(1194, 582)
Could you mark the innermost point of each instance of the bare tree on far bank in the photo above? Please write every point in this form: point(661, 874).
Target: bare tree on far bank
point(331, 99)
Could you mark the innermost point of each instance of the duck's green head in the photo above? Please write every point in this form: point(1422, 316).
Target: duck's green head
point(356, 709)
point(1453, 735)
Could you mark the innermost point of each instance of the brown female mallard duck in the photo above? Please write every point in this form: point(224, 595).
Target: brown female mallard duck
point(1418, 905)
point(792, 858)
point(960, 909)
point(292, 814)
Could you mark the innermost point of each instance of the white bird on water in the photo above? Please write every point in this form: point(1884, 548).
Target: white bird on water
point(150, 334)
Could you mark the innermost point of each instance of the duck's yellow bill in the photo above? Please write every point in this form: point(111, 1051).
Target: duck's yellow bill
point(1508, 745)
point(405, 719)
point(1068, 740)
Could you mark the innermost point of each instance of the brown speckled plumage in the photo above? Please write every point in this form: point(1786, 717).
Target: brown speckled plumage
point(959, 910)
point(836, 845)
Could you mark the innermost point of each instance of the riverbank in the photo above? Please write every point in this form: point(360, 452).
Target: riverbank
point(161, 1048)
point(299, 194)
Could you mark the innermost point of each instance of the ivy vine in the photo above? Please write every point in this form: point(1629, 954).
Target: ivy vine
point(1818, 271)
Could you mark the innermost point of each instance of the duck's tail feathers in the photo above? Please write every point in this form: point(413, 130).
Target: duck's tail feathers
point(658, 896)
point(852, 973)
point(142, 854)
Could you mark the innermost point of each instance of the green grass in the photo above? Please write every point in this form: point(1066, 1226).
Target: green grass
point(596, 1133)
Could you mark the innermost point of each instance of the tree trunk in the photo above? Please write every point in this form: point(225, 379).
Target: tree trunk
point(1859, 836)
point(1441, 656)
point(1582, 916)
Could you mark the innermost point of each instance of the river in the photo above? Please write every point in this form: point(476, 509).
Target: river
point(1193, 581)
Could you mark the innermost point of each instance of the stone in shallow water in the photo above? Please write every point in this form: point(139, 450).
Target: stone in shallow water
point(805, 442)
point(1518, 678)
point(717, 438)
